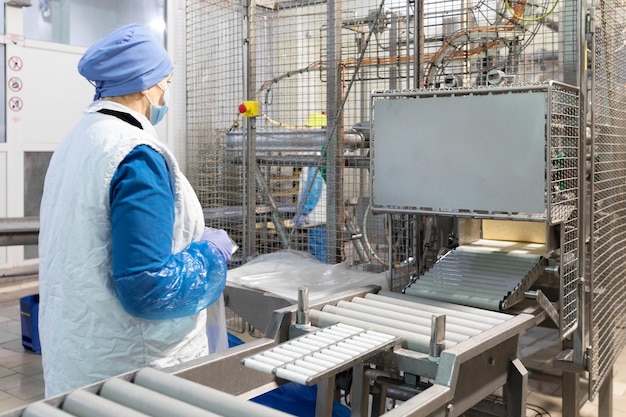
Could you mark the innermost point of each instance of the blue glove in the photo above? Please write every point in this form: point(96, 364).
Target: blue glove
point(219, 239)
point(298, 220)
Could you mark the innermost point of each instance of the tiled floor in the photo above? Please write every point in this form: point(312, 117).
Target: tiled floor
point(21, 380)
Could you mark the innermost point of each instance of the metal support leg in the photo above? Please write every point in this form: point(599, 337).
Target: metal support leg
point(605, 396)
point(360, 392)
point(379, 400)
point(325, 397)
point(570, 395)
point(516, 389)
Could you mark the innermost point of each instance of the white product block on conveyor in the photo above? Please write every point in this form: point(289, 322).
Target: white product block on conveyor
point(321, 354)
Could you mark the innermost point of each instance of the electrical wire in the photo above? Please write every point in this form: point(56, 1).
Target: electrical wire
point(465, 36)
point(530, 19)
point(537, 409)
point(322, 159)
point(451, 49)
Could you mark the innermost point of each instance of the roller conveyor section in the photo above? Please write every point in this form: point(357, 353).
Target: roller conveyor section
point(409, 318)
point(488, 280)
point(151, 393)
point(316, 356)
point(473, 339)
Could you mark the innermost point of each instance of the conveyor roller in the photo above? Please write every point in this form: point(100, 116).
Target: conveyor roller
point(489, 280)
point(318, 355)
point(405, 317)
point(150, 393)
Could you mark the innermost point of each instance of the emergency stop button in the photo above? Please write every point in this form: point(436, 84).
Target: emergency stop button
point(249, 108)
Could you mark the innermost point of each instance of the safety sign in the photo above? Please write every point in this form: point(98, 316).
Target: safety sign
point(15, 63)
point(15, 103)
point(15, 84)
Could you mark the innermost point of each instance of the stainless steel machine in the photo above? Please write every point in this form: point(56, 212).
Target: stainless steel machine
point(435, 358)
point(450, 339)
point(502, 202)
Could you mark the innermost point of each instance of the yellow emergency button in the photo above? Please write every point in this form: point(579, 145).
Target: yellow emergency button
point(249, 108)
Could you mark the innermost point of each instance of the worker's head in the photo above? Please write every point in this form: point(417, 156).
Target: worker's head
point(128, 60)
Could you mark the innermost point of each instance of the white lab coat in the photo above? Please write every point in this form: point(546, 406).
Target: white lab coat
point(85, 334)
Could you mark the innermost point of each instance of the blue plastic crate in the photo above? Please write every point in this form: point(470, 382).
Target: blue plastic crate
point(29, 314)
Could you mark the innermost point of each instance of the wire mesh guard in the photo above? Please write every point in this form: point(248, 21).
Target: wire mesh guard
point(564, 110)
point(312, 69)
point(312, 121)
point(608, 135)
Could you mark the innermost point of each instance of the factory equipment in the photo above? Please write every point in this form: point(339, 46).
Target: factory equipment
point(148, 392)
point(494, 124)
point(426, 356)
point(531, 144)
point(19, 231)
point(488, 183)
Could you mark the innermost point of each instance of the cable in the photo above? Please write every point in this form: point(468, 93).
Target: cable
point(530, 19)
point(537, 409)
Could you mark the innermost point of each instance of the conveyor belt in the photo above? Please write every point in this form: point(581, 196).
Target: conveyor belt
point(489, 280)
point(151, 393)
point(318, 355)
point(409, 318)
point(474, 361)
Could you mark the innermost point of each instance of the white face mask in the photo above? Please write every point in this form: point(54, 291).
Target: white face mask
point(157, 113)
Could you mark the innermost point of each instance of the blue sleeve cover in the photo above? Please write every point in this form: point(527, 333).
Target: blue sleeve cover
point(150, 281)
point(316, 190)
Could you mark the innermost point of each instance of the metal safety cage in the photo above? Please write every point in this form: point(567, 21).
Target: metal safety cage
point(509, 153)
point(488, 42)
point(528, 142)
point(564, 160)
point(310, 65)
point(607, 121)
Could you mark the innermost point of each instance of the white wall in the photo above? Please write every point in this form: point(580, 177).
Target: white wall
point(53, 96)
point(49, 101)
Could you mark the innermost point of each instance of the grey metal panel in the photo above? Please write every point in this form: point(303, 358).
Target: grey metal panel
point(19, 231)
point(210, 370)
point(467, 152)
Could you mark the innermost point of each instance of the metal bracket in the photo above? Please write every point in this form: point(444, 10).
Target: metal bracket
point(546, 305)
point(565, 362)
point(19, 3)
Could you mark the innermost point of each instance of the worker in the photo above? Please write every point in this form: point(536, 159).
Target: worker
point(127, 266)
point(311, 210)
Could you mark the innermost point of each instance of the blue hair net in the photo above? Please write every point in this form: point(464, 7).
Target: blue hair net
point(126, 61)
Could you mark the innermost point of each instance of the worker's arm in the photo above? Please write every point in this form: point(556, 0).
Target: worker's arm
point(313, 185)
point(150, 281)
